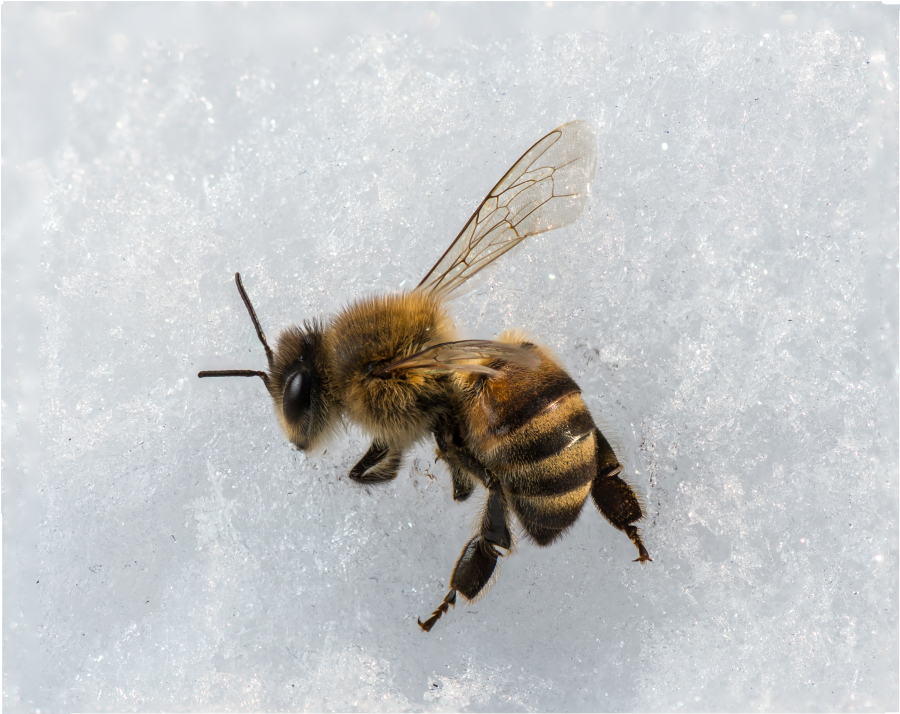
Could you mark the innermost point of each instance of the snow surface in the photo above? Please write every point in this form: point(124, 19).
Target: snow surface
point(728, 303)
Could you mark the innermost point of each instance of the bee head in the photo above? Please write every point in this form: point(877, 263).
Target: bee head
point(296, 379)
point(300, 387)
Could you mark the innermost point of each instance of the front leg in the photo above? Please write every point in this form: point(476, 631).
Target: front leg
point(379, 464)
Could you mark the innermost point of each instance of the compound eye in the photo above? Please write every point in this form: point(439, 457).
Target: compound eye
point(295, 402)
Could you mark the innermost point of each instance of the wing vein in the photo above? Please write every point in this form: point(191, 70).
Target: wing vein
point(523, 203)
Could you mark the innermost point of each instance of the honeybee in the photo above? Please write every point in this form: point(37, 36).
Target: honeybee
point(504, 413)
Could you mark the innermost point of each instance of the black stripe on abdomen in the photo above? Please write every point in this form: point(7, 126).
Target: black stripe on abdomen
point(545, 518)
point(518, 396)
point(566, 470)
point(556, 427)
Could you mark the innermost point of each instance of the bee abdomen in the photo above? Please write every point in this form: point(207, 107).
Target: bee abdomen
point(535, 433)
point(557, 427)
point(547, 491)
point(545, 518)
point(516, 396)
point(556, 474)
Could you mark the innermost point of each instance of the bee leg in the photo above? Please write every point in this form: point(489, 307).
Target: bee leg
point(449, 599)
point(476, 564)
point(379, 464)
point(463, 484)
point(495, 523)
point(616, 500)
point(461, 464)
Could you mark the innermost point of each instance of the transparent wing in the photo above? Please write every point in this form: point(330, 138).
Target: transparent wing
point(545, 189)
point(455, 357)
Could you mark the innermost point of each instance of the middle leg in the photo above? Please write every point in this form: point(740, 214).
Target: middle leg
point(465, 470)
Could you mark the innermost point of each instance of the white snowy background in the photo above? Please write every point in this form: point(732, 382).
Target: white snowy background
point(728, 303)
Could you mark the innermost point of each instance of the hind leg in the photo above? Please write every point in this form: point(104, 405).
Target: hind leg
point(476, 564)
point(616, 500)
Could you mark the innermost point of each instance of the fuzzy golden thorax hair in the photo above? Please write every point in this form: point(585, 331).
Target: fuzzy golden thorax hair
point(376, 331)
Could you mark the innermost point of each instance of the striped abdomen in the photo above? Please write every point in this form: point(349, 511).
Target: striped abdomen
point(530, 428)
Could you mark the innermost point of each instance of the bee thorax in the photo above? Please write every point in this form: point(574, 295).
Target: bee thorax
point(378, 330)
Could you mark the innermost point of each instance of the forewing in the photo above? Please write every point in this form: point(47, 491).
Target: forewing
point(457, 357)
point(546, 188)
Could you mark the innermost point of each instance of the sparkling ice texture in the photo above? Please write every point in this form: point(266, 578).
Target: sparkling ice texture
point(727, 302)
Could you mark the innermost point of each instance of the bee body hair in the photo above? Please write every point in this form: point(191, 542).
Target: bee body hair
point(504, 413)
point(379, 330)
point(530, 427)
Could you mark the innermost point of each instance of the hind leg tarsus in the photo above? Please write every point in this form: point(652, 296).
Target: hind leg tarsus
point(620, 506)
point(644, 556)
point(472, 572)
point(475, 566)
point(449, 599)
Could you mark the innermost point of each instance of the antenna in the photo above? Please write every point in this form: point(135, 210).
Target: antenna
point(270, 357)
